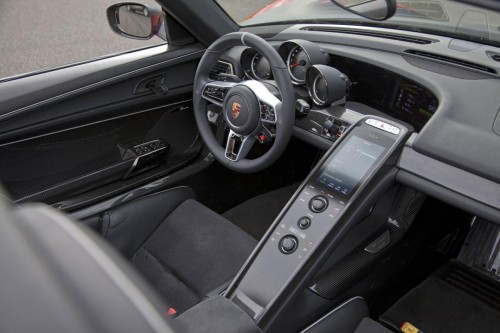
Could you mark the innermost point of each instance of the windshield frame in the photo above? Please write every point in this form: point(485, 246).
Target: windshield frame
point(435, 27)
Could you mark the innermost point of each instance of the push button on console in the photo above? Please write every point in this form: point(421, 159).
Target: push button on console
point(288, 244)
point(318, 204)
point(304, 222)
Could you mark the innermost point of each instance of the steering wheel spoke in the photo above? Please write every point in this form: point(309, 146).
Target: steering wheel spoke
point(215, 91)
point(238, 146)
point(268, 103)
point(252, 110)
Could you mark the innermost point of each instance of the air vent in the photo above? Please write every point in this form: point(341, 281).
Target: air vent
point(220, 67)
point(371, 33)
point(453, 61)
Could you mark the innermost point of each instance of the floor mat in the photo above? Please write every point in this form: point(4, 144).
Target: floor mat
point(454, 300)
point(256, 215)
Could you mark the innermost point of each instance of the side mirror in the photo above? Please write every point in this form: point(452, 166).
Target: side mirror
point(135, 20)
point(378, 10)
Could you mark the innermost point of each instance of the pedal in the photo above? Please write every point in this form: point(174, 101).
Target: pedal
point(481, 249)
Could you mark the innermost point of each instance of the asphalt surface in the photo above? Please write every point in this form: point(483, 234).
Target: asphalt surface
point(37, 34)
point(241, 9)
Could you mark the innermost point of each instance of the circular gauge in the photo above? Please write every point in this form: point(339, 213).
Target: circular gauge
point(326, 84)
point(319, 90)
point(298, 62)
point(260, 67)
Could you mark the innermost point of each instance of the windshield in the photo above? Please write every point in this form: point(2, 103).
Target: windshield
point(443, 17)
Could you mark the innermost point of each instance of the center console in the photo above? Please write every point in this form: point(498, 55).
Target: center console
point(322, 210)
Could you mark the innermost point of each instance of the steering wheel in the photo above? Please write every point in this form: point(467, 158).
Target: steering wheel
point(247, 107)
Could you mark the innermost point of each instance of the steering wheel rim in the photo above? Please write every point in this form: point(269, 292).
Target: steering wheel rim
point(240, 93)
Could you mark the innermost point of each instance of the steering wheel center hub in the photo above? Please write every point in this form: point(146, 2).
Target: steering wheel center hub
point(241, 110)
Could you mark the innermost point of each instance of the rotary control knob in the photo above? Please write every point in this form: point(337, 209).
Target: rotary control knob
point(330, 127)
point(318, 204)
point(288, 244)
point(304, 222)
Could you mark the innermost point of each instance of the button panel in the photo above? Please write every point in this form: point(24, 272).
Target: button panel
point(267, 113)
point(383, 126)
point(311, 228)
point(215, 94)
point(149, 147)
point(147, 155)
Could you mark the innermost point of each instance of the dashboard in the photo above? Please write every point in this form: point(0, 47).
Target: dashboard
point(333, 91)
point(444, 88)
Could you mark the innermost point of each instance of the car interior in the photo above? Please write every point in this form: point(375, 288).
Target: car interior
point(298, 176)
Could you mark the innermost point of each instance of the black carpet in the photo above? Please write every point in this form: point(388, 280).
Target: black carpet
point(256, 215)
point(454, 300)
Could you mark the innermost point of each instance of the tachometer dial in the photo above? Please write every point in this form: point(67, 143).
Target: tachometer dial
point(299, 55)
point(260, 67)
point(298, 62)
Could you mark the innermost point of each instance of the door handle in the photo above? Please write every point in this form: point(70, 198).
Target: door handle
point(156, 84)
point(158, 87)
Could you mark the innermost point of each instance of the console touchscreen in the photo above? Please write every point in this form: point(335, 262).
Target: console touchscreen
point(348, 167)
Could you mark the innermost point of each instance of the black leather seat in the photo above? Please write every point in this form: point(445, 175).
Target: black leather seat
point(57, 276)
point(185, 250)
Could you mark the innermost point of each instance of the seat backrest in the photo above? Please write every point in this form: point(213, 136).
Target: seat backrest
point(55, 276)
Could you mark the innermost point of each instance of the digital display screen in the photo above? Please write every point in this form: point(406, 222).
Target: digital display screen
point(414, 104)
point(350, 165)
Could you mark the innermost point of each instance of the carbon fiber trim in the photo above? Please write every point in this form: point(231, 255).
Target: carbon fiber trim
point(34, 166)
point(54, 167)
point(175, 162)
point(360, 263)
point(91, 209)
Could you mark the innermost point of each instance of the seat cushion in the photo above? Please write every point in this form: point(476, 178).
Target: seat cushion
point(193, 251)
point(129, 225)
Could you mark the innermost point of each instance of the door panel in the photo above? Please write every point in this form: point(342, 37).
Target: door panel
point(84, 136)
point(93, 103)
point(30, 92)
point(55, 166)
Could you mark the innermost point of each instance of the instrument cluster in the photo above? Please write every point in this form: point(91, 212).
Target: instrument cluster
point(255, 65)
point(308, 67)
point(311, 70)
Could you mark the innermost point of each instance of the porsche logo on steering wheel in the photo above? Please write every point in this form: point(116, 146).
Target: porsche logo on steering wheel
point(235, 109)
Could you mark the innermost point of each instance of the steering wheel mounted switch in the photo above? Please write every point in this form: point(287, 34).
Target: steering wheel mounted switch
point(264, 136)
point(216, 94)
point(267, 113)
